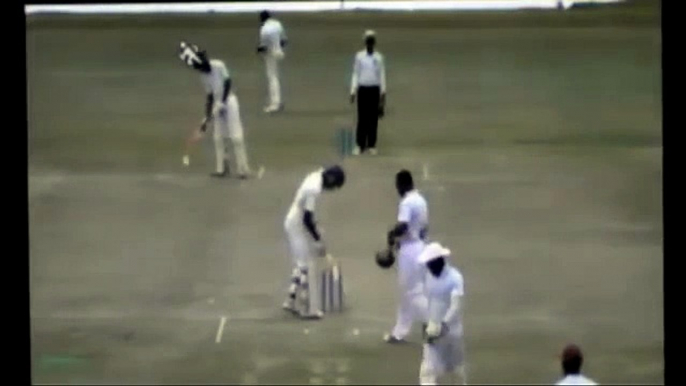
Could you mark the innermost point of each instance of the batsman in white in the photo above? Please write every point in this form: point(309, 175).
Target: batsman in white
point(305, 241)
point(272, 42)
point(443, 351)
point(221, 108)
point(409, 235)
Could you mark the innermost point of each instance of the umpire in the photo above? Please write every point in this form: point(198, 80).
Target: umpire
point(369, 88)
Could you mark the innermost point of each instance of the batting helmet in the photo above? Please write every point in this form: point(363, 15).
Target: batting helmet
point(191, 54)
point(385, 258)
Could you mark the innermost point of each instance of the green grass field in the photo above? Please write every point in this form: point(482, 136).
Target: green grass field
point(535, 135)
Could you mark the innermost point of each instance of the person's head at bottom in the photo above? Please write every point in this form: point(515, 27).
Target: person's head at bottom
point(404, 182)
point(434, 256)
point(333, 177)
point(370, 40)
point(572, 360)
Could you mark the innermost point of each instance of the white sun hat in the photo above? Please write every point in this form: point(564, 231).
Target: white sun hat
point(433, 251)
point(369, 33)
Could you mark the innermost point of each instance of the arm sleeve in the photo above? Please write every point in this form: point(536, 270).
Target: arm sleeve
point(308, 220)
point(309, 202)
point(263, 38)
point(404, 212)
point(284, 37)
point(227, 89)
point(207, 86)
point(383, 73)
point(353, 82)
point(224, 72)
point(209, 104)
point(454, 309)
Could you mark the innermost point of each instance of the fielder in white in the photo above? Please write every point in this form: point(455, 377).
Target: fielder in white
point(221, 108)
point(572, 360)
point(408, 235)
point(272, 42)
point(305, 241)
point(443, 353)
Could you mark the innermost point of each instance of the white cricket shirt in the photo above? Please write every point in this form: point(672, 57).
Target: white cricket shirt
point(271, 34)
point(414, 211)
point(439, 292)
point(576, 380)
point(214, 80)
point(368, 70)
point(305, 200)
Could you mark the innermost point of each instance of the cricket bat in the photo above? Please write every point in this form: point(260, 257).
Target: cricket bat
point(196, 135)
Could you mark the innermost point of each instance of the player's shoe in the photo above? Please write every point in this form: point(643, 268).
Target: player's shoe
point(316, 315)
point(246, 176)
point(273, 109)
point(372, 151)
point(356, 150)
point(224, 173)
point(391, 339)
point(289, 305)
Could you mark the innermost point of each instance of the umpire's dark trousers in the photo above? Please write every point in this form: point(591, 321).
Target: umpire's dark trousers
point(368, 98)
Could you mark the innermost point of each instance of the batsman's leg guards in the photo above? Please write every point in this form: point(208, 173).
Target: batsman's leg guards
point(295, 285)
point(242, 166)
point(310, 299)
point(427, 375)
point(304, 290)
point(459, 376)
point(290, 304)
point(220, 151)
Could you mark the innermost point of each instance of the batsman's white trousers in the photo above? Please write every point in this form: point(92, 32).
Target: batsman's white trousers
point(228, 126)
point(302, 253)
point(271, 61)
point(413, 304)
point(445, 356)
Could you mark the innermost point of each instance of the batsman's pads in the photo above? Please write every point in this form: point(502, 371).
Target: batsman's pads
point(331, 288)
point(385, 258)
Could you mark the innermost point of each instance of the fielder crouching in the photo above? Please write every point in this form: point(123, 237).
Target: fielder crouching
point(443, 352)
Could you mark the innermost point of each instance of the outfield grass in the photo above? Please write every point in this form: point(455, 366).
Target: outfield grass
point(539, 131)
